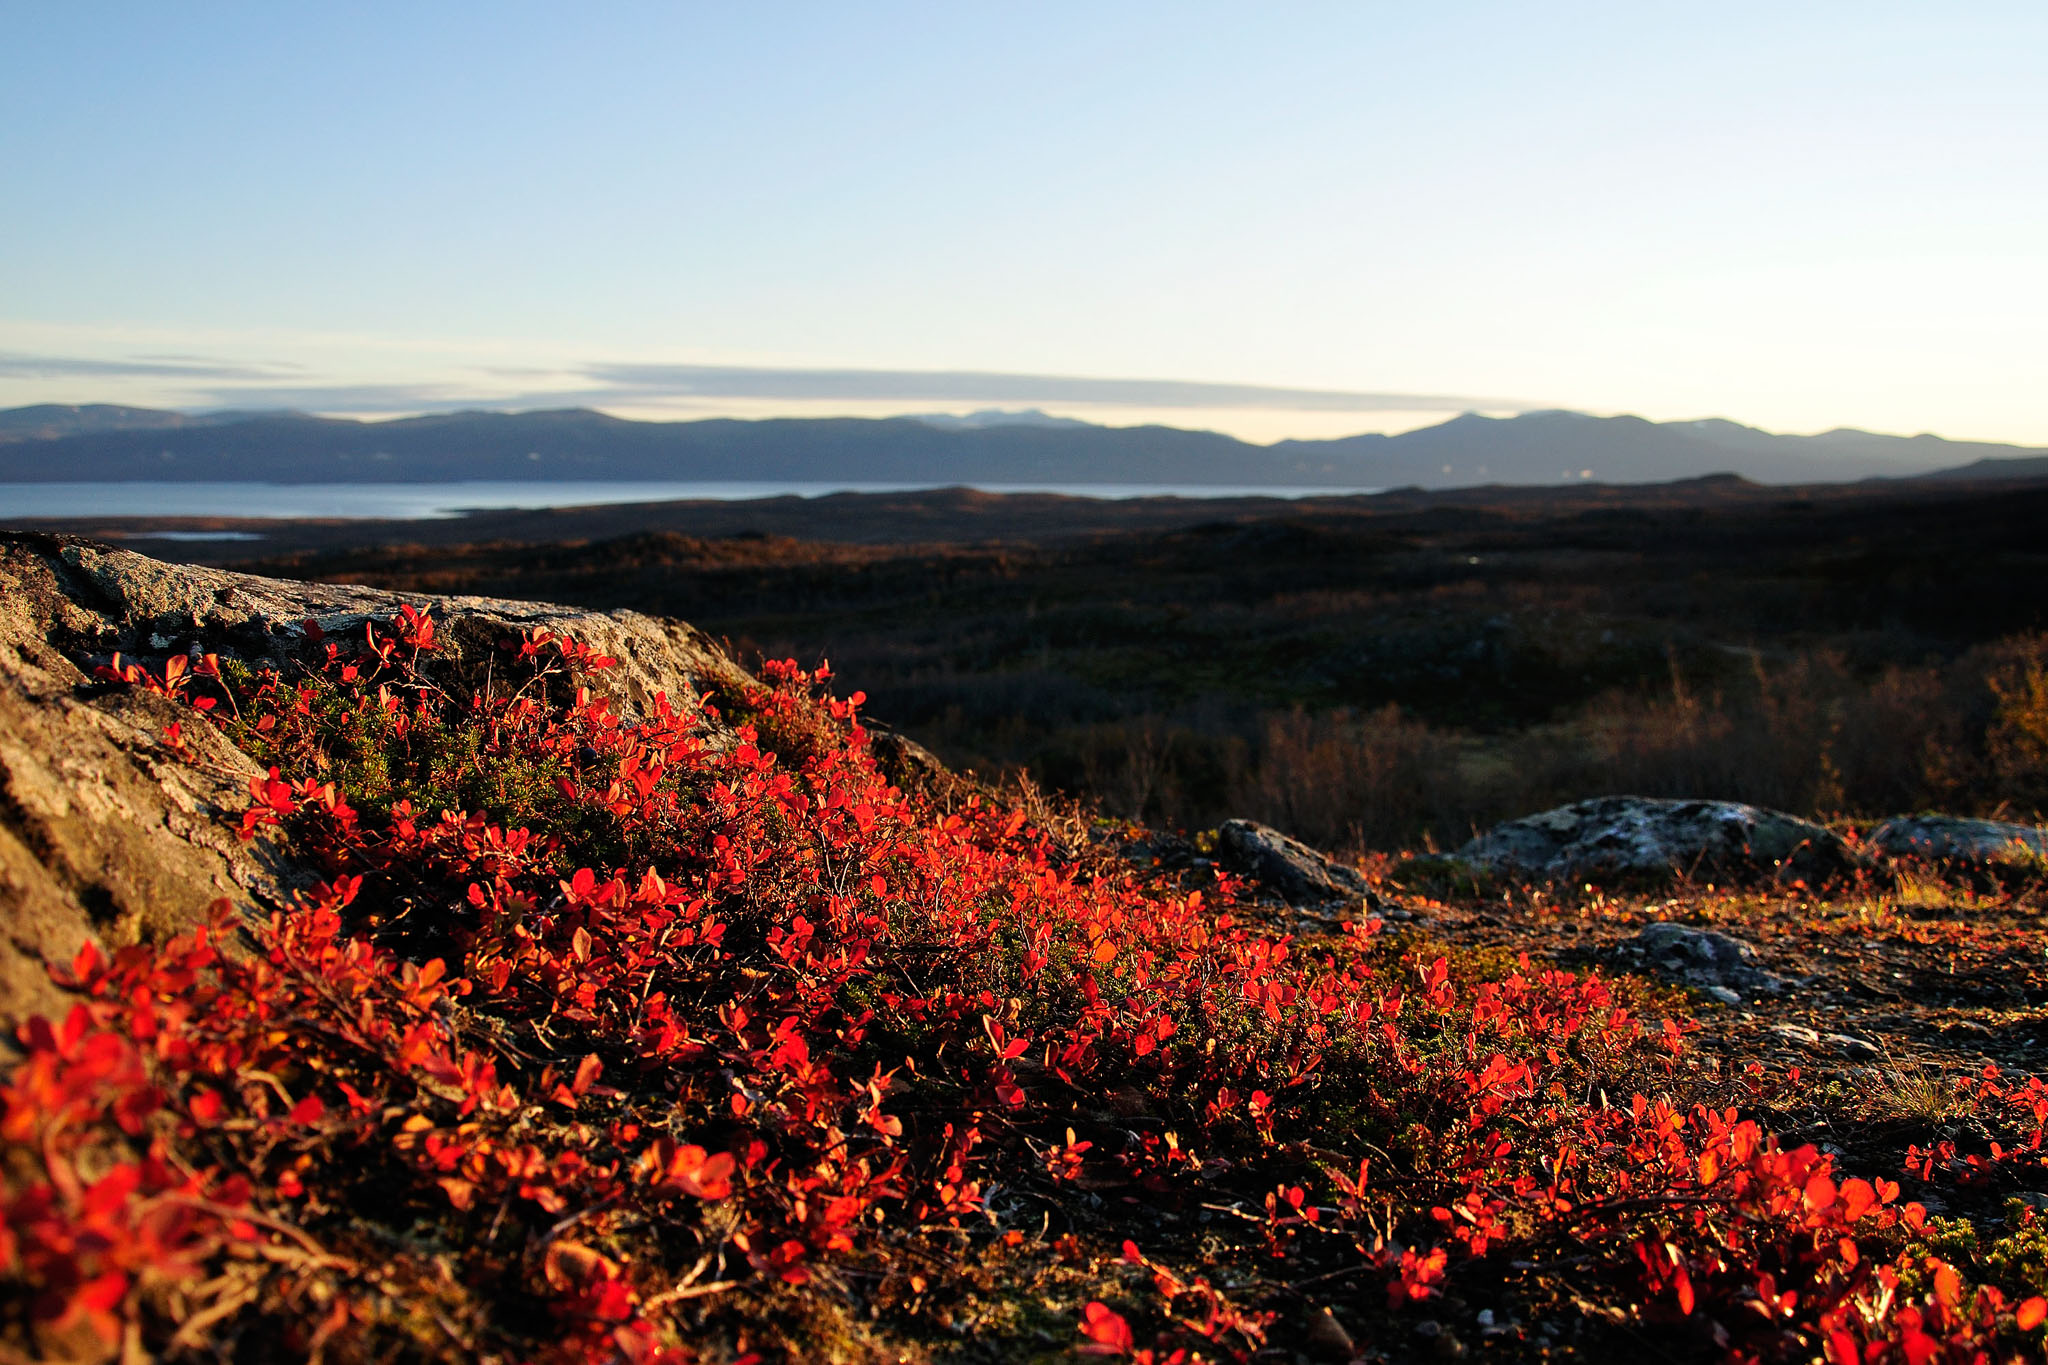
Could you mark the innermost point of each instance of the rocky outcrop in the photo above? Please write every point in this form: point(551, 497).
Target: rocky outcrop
point(1948, 839)
point(1717, 963)
point(104, 833)
point(1289, 868)
point(1636, 837)
point(140, 605)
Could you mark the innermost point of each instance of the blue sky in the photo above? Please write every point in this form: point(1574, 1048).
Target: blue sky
point(1797, 216)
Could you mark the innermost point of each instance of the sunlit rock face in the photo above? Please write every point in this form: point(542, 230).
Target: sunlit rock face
point(105, 832)
point(143, 606)
point(1615, 838)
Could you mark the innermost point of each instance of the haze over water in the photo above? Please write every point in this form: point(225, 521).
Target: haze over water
point(420, 501)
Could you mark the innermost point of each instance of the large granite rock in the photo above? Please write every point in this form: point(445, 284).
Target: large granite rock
point(104, 834)
point(1949, 839)
point(143, 606)
point(1638, 837)
point(1289, 868)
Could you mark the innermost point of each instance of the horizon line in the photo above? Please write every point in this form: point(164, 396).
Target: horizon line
point(509, 408)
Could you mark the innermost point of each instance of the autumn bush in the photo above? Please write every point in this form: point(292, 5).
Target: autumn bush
point(684, 1035)
point(1807, 733)
point(1345, 780)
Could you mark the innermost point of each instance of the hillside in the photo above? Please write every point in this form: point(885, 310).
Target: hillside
point(1534, 448)
point(2029, 467)
point(52, 421)
point(580, 1003)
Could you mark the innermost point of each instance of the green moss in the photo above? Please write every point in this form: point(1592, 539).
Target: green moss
point(2010, 1252)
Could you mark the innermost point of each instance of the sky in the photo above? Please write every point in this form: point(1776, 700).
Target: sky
point(1276, 220)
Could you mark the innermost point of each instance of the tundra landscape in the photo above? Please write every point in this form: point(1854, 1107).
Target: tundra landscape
point(1223, 684)
point(1504, 924)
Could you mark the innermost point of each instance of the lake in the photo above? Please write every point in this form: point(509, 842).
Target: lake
point(417, 501)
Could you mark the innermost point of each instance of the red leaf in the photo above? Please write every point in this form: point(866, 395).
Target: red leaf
point(1105, 1327)
point(95, 1301)
point(205, 1107)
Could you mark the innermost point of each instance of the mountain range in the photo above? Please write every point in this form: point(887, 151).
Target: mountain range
point(96, 443)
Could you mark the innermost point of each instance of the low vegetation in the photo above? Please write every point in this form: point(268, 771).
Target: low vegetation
point(687, 1035)
point(1388, 673)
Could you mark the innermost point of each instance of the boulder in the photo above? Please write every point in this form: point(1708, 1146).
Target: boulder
point(1639, 837)
point(1721, 965)
point(1289, 868)
point(143, 606)
point(1949, 839)
point(104, 833)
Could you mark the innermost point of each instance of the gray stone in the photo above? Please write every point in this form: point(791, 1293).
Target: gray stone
point(1797, 1033)
point(1705, 949)
point(131, 603)
point(1714, 962)
point(1949, 839)
point(105, 835)
point(1850, 1045)
point(1620, 837)
point(1289, 868)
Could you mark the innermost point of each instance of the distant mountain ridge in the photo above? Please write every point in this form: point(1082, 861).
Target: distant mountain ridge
point(47, 421)
point(101, 443)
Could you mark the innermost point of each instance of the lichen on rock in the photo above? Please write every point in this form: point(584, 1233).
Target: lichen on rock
point(1952, 839)
point(1707, 959)
point(105, 834)
point(145, 605)
point(1636, 837)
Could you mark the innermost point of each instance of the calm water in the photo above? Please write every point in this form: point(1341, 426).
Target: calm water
point(415, 501)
